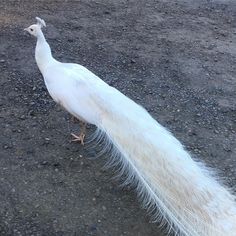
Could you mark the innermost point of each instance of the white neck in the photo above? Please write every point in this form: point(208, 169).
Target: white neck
point(43, 55)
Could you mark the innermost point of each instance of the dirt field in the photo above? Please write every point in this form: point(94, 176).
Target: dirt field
point(176, 58)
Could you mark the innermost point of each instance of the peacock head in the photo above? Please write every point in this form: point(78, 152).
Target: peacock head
point(35, 29)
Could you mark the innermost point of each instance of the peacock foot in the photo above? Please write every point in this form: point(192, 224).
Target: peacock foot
point(78, 138)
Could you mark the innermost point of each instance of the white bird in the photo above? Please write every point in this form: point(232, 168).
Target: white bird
point(178, 190)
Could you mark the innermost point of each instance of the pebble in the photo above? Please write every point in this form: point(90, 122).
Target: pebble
point(22, 117)
point(44, 163)
point(132, 61)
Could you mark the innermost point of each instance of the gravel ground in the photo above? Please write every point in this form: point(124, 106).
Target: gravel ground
point(176, 58)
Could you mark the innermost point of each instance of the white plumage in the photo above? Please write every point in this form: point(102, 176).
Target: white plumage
point(168, 180)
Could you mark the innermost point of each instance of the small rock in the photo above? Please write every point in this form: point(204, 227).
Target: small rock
point(132, 61)
point(22, 117)
point(44, 163)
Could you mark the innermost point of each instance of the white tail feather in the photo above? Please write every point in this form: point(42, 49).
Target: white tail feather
point(171, 184)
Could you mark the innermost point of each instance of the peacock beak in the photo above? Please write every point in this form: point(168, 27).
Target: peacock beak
point(27, 30)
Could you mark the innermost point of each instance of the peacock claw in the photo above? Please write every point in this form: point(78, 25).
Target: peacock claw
point(79, 138)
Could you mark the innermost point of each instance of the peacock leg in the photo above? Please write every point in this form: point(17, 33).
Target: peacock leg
point(81, 136)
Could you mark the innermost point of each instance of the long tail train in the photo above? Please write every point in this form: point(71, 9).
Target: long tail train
point(171, 184)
